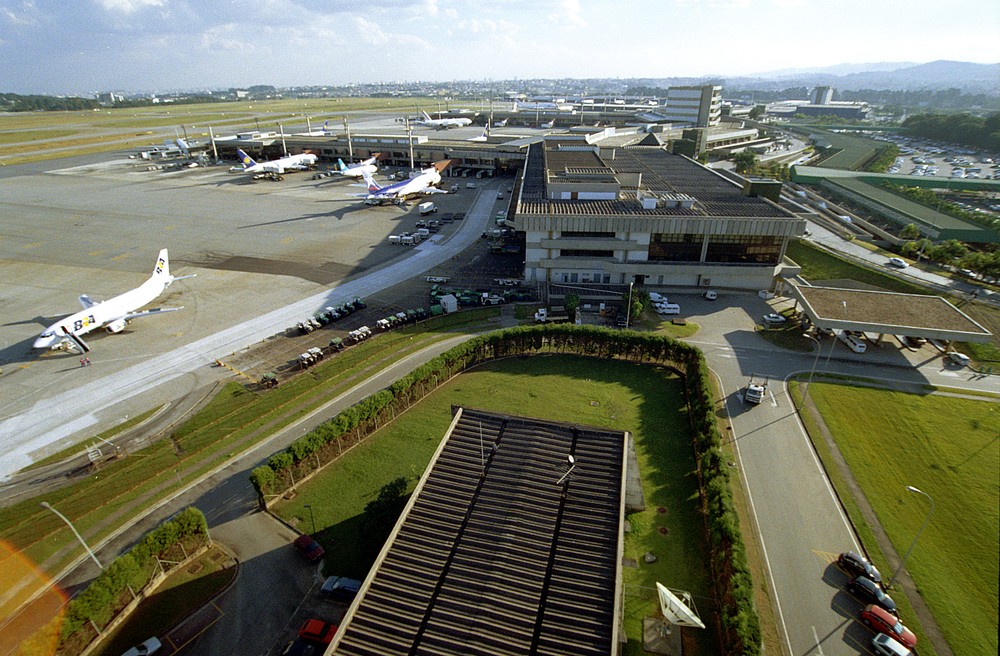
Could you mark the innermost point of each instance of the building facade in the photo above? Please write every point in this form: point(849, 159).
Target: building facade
point(642, 215)
point(700, 106)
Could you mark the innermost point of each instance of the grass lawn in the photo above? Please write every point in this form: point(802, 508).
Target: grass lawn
point(644, 400)
point(948, 447)
point(230, 422)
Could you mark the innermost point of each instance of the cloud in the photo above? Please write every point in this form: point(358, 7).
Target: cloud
point(567, 13)
point(129, 6)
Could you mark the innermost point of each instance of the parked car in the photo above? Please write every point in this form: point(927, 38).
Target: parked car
point(774, 319)
point(340, 588)
point(318, 632)
point(710, 295)
point(657, 298)
point(308, 547)
point(898, 262)
point(886, 645)
point(960, 359)
point(149, 646)
point(857, 565)
point(870, 592)
point(885, 622)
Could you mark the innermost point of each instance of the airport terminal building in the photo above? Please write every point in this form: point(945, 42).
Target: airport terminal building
point(594, 215)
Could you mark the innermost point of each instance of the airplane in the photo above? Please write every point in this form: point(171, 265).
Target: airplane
point(356, 170)
point(551, 124)
point(420, 184)
point(113, 314)
point(485, 136)
point(442, 123)
point(500, 124)
point(277, 166)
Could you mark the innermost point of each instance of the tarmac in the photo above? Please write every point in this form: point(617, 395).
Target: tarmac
point(266, 255)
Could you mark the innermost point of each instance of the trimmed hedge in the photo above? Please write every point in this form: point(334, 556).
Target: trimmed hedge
point(113, 589)
point(740, 624)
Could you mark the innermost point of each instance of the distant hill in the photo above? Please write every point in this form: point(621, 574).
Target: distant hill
point(969, 77)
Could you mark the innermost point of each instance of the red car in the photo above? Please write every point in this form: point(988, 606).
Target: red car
point(318, 632)
point(309, 547)
point(882, 621)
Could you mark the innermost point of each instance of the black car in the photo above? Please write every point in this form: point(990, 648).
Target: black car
point(856, 565)
point(870, 592)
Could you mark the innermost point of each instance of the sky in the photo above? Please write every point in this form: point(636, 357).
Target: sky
point(83, 46)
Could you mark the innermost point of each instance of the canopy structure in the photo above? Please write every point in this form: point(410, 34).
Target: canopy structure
point(676, 610)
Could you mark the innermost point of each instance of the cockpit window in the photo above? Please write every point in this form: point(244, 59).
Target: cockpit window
point(48, 333)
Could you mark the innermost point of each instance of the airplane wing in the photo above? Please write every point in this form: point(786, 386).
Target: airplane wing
point(145, 313)
point(430, 190)
point(87, 302)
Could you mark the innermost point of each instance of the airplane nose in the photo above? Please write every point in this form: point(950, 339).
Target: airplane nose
point(42, 342)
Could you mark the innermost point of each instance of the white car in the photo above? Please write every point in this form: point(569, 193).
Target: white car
point(960, 359)
point(150, 646)
point(667, 308)
point(774, 318)
point(898, 262)
point(657, 298)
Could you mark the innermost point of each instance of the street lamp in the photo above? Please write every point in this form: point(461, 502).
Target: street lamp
point(45, 504)
point(311, 518)
point(910, 488)
point(628, 308)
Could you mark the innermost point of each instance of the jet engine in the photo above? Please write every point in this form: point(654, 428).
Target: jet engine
point(116, 326)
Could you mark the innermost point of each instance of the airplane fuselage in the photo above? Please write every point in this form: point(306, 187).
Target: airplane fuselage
point(108, 314)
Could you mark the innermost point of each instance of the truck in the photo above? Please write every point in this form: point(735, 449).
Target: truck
point(554, 314)
point(756, 389)
point(427, 208)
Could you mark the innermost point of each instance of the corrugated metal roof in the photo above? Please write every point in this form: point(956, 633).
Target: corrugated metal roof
point(502, 557)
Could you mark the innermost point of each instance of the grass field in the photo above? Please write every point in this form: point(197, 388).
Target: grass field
point(108, 129)
point(644, 400)
point(948, 447)
point(234, 419)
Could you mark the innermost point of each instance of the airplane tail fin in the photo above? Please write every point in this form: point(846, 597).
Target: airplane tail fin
point(245, 159)
point(162, 269)
point(370, 181)
point(183, 145)
point(326, 126)
point(427, 117)
point(341, 165)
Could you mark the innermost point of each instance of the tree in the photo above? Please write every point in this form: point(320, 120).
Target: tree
point(756, 112)
point(911, 231)
point(380, 516)
point(745, 161)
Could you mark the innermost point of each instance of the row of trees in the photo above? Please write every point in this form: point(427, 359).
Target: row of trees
point(968, 129)
point(119, 584)
point(731, 573)
point(12, 102)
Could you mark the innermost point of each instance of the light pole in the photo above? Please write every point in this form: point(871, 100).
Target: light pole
point(628, 308)
point(311, 518)
point(45, 504)
point(910, 488)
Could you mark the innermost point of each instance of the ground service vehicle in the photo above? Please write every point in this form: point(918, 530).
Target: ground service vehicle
point(555, 314)
point(756, 389)
point(427, 208)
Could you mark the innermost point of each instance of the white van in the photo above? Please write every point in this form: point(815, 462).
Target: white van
point(667, 308)
point(852, 342)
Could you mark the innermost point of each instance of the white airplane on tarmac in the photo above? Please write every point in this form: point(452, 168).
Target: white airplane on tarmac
point(113, 314)
point(420, 184)
point(356, 170)
point(442, 123)
point(274, 167)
